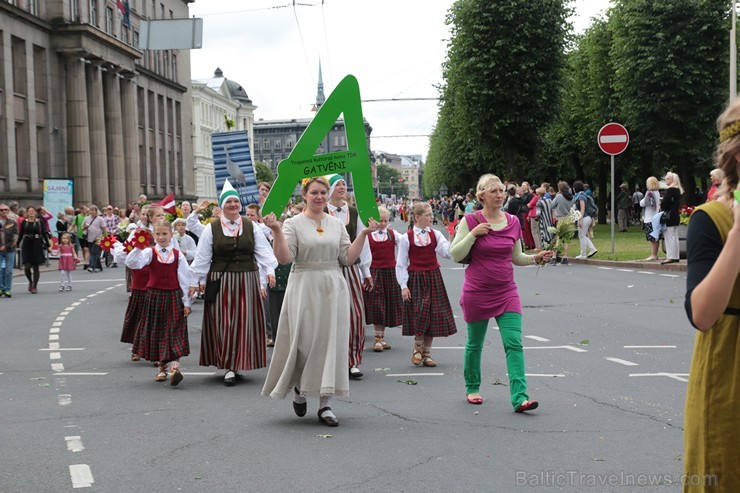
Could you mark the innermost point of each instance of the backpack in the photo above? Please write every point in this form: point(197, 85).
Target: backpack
point(592, 210)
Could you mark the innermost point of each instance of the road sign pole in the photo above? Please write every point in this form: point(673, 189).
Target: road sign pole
point(614, 217)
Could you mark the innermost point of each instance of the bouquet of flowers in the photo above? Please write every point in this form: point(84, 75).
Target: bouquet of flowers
point(107, 242)
point(206, 214)
point(563, 232)
point(178, 214)
point(685, 214)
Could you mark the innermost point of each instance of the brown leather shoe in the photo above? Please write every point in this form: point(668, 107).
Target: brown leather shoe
point(378, 346)
point(427, 360)
point(175, 377)
point(416, 357)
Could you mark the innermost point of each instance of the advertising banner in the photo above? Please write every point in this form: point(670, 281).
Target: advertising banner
point(232, 159)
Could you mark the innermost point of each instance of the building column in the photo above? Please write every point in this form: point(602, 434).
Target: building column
point(114, 139)
point(129, 107)
point(98, 148)
point(78, 137)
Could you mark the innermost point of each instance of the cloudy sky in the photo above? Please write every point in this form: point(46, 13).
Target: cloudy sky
point(395, 48)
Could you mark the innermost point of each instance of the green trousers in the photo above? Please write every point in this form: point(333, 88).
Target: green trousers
point(510, 327)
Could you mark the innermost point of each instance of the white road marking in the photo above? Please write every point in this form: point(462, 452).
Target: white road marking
point(606, 268)
point(53, 337)
point(64, 313)
point(646, 272)
point(554, 375)
point(414, 374)
point(196, 373)
point(112, 287)
point(537, 338)
point(55, 355)
point(63, 349)
point(60, 319)
point(77, 281)
point(625, 270)
point(54, 346)
point(621, 361)
point(69, 309)
point(81, 476)
point(450, 347)
point(681, 377)
point(649, 347)
point(74, 444)
point(54, 330)
point(76, 303)
point(57, 366)
point(64, 399)
point(570, 348)
point(669, 275)
point(101, 292)
point(84, 374)
point(56, 324)
point(92, 295)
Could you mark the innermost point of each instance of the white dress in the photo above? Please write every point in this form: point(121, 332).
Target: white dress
point(311, 349)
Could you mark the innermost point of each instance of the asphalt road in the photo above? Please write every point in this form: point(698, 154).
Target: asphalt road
point(81, 413)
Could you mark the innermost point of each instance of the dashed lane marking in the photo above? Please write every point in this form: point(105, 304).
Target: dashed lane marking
point(537, 338)
point(625, 270)
point(669, 275)
point(554, 375)
point(414, 375)
point(570, 348)
point(53, 337)
point(646, 272)
point(74, 444)
point(57, 367)
point(54, 330)
point(681, 377)
point(201, 373)
point(449, 347)
point(63, 349)
point(81, 476)
point(64, 399)
point(55, 355)
point(621, 361)
point(649, 347)
point(54, 346)
point(56, 324)
point(606, 268)
point(84, 374)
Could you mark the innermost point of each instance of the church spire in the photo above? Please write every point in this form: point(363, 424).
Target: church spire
point(320, 98)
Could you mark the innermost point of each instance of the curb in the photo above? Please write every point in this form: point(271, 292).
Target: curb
point(632, 264)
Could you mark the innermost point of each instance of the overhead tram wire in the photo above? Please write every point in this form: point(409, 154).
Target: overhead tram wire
point(326, 42)
point(399, 136)
point(381, 100)
point(303, 42)
point(274, 7)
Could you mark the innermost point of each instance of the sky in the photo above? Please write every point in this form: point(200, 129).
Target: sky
point(395, 48)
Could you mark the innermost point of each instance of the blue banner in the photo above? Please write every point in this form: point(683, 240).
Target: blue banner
point(233, 160)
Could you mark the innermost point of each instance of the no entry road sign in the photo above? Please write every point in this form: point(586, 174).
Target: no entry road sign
point(613, 139)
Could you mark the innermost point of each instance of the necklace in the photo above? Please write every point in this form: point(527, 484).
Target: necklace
point(159, 256)
point(319, 229)
point(423, 243)
point(234, 230)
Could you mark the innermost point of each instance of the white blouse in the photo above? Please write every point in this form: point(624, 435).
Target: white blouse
point(420, 239)
point(138, 259)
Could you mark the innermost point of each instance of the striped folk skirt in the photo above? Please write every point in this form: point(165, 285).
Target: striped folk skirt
point(429, 312)
point(383, 305)
point(133, 313)
point(162, 331)
point(356, 314)
point(234, 325)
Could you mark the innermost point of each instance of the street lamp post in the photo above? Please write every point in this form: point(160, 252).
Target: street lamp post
point(733, 52)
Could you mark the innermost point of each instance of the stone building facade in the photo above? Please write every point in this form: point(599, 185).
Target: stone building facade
point(214, 100)
point(79, 100)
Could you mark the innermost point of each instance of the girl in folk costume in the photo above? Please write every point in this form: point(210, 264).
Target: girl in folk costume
point(138, 280)
point(67, 262)
point(230, 252)
point(356, 275)
point(383, 305)
point(426, 309)
point(162, 332)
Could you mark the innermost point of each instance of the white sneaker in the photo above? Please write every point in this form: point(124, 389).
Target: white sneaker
point(580, 257)
point(592, 253)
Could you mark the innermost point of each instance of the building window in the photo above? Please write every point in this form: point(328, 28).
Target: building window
point(154, 9)
point(18, 54)
point(94, 13)
point(161, 11)
point(266, 143)
point(39, 72)
point(256, 145)
point(278, 144)
point(171, 15)
point(166, 64)
point(174, 67)
point(109, 20)
point(136, 42)
point(75, 10)
point(124, 33)
point(33, 7)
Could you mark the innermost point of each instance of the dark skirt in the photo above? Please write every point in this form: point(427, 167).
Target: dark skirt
point(429, 312)
point(133, 312)
point(233, 336)
point(162, 331)
point(383, 305)
point(648, 233)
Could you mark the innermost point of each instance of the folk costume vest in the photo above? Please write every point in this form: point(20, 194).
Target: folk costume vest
point(163, 276)
point(384, 252)
point(234, 254)
point(423, 257)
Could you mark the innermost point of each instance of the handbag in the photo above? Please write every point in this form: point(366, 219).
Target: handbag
point(469, 257)
point(214, 286)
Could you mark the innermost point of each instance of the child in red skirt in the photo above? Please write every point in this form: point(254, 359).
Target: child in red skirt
point(383, 305)
point(67, 261)
point(162, 332)
point(137, 294)
point(426, 309)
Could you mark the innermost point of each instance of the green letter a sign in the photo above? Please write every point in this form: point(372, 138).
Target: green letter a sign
point(304, 163)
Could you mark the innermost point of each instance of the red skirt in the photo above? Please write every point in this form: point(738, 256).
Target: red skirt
point(162, 331)
point(429, 312)
point(384, 305)
point(133, 312)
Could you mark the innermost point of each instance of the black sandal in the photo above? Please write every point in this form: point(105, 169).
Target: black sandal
point(300, 409)
point(329, 420)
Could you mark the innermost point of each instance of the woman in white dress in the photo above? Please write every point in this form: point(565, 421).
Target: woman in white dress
point(311, 349)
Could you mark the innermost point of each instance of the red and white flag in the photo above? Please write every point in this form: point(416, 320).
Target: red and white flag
point(121, 7)
point(168, 203)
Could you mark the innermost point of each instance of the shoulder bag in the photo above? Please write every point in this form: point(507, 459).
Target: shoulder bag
point(214, 286)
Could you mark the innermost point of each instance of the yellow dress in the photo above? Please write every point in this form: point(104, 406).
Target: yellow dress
point(712, 417)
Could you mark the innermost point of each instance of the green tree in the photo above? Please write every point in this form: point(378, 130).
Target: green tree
point(670, 79)
point(501, 83)
point(263, 172)
point(390, 181)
